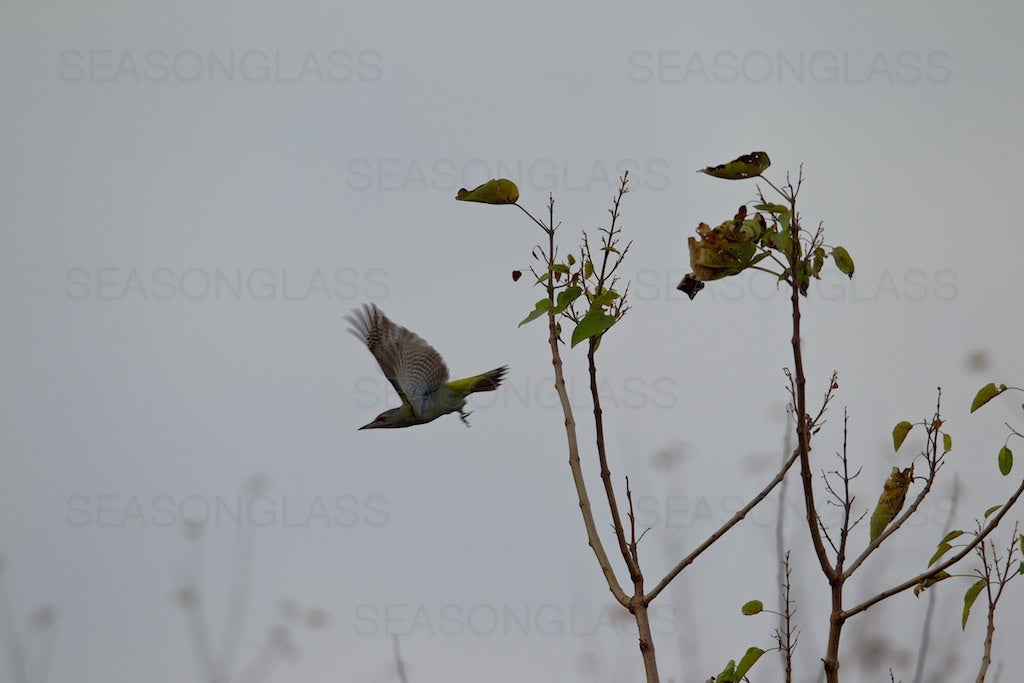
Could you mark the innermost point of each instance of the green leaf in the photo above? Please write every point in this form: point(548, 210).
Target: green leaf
point(986, 394)
point(588, 269)
point(541, 307)
point(605, 298)
point(1005, 460)
point(752, 607)
point(956, 533)
point(784, 220)
point(747, 166)
point(559, 268)
point(749, 659)
point(570, 259)
point(843, 261)
point(819, 261)
point(760, 257)
point(803, 278)
point(728, 674)
point(969, 597)
point(566, 297)
point(899, 433)
point(494, 191)
point(947, 443)
point(772, 208)
point(991, 510)
point(778, 240)
point(593, 324)
point(943, 548)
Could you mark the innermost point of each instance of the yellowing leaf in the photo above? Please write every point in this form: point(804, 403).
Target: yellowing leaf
point(947, 443)
point(894, 494)
point(819, 261)
point(991, 510)
point(899, 433)
point(986, 394)
point(494, 191)
point(747, 166)
point(605, 298)
point(752, 607)
point(929, 582)
point(772, 208)
point(724, 250)
point(843, 261)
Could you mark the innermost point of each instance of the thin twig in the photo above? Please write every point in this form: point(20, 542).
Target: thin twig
point(803, 423)
point(922, 650)
point(785, 635)
point(12, 641)
point(721, 531)
point(399, 664)
point(633, 540)
point(628, 553)
point(238, 604)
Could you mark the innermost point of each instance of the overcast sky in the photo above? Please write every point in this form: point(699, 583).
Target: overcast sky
point(194, 195)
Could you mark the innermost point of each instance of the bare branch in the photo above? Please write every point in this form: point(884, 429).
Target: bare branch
point(628, 552)
point(733, 521)
point(786, 636)
point(803, 422)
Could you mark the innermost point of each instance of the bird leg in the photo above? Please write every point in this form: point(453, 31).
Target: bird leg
point(463, 415)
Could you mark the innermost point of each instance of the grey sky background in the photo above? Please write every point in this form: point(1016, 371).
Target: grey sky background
point(195, 194)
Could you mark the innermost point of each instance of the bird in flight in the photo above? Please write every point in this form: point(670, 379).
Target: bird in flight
point(416, 371)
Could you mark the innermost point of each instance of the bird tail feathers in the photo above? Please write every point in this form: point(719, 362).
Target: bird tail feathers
point(488, 381)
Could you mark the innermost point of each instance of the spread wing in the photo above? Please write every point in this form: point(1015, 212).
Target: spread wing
point(412, 365)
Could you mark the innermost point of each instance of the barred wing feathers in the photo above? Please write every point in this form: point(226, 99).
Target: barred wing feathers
point(412, 365)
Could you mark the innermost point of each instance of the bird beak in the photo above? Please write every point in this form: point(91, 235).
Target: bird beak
point(365, 427)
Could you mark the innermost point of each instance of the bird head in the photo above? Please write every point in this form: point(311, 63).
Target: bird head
point(389, 419)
